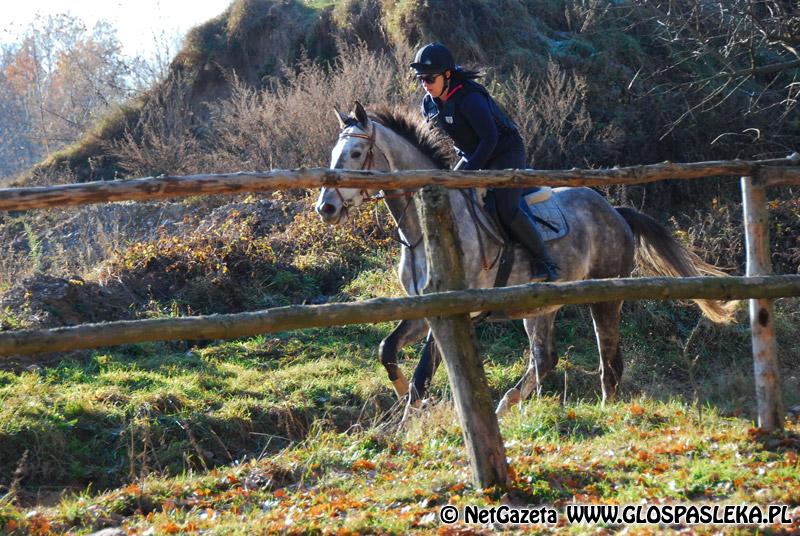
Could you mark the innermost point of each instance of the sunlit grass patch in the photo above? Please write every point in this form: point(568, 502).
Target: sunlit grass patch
point(394, 481)
point(375, 283)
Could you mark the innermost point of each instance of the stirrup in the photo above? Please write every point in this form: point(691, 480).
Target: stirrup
point(544, 271)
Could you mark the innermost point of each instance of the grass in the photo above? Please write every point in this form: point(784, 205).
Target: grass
point(394, 481)
point(294, 431)
point(122, 413)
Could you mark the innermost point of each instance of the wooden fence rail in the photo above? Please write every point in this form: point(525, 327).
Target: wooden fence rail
point(231, 183)
point(517, 298)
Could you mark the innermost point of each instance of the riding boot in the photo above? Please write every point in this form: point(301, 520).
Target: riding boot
point(527, 235)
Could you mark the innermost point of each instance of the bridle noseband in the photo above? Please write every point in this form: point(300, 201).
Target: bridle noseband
point(367, 166)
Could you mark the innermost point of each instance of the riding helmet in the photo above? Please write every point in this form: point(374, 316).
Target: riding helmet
point(433, 58)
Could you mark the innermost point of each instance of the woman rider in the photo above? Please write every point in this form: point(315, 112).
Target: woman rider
point(485, 138)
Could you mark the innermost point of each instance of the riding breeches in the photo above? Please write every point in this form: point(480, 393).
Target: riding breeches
point(507, 200)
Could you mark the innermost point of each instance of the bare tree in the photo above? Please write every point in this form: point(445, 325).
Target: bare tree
point(748, 50)
point(57, 81)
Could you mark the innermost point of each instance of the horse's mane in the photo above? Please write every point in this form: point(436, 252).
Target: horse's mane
point(417, 132)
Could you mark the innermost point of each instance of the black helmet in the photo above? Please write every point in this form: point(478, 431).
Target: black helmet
point(433, 58)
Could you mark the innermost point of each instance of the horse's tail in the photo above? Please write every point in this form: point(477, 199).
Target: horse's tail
point(659, 254)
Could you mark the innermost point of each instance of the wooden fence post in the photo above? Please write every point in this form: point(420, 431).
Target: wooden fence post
point(762, 319)
point(455, 338)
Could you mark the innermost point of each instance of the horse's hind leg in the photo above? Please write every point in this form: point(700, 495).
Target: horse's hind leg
point(606, 317)
point(406, 332)
point(543, 359)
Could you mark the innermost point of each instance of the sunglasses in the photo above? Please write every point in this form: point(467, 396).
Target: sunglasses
point(428, 78)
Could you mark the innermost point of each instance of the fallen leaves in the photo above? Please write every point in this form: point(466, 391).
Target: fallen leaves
point(636, 409)
point(363, 465)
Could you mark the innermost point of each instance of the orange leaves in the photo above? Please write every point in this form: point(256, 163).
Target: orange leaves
point(756, 433)
point(413, 448)
point(636, 410)
point(681, 447)
point(38, 525)
point(389, 466)
point(586, 498)
point(513, 476)
point(456, 488)
point(660, 468)
point(171, 528)
point(20, 71)
point(363, 465)
point(132, 489)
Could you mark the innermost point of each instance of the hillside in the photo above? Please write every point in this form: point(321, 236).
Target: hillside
point(630, 81)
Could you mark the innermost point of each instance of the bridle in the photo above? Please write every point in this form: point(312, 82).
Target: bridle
point(367, 166)
point(404, 194)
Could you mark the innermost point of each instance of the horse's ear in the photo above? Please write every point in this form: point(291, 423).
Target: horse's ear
point(361, 114)
point(340, 117)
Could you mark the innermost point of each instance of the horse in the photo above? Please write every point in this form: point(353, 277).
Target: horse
point(602, 242)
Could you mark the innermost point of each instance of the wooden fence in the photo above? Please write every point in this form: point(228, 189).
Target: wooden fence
point(446, 304)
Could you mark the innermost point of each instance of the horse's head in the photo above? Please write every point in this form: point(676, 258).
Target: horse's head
point(355, 149)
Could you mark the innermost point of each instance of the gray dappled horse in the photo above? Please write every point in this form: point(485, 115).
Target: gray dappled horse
point(603, 242)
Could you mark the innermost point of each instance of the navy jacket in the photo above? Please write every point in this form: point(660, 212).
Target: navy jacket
point(480, 130)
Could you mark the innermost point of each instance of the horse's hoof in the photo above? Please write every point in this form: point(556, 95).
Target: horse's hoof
point(411, 408)
point(512, 396)
point(400, 386)
point(608, 398)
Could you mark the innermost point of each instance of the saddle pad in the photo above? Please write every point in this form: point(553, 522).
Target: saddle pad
point(549, 211)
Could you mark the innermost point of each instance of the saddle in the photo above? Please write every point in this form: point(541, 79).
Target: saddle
point(540, 206)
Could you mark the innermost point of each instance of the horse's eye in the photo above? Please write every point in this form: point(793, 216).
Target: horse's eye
point(356, 154)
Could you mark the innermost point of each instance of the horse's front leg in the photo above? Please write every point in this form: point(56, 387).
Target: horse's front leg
point(407, 332)
point(423, 374)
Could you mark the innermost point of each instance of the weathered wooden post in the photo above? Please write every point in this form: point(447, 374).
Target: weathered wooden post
point(762, 319)
point(455, 338)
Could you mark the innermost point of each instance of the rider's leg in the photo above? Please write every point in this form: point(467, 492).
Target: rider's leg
point(520, 226)
point(515, 221)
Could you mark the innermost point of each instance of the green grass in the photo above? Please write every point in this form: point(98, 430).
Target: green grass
point(394, 481)
point(301, 424)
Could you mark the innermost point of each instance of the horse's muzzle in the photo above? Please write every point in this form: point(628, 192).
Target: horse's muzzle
point(329, 213)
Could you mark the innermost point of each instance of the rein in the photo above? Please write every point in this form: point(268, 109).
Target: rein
point(479, 225)
point(403, 194)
